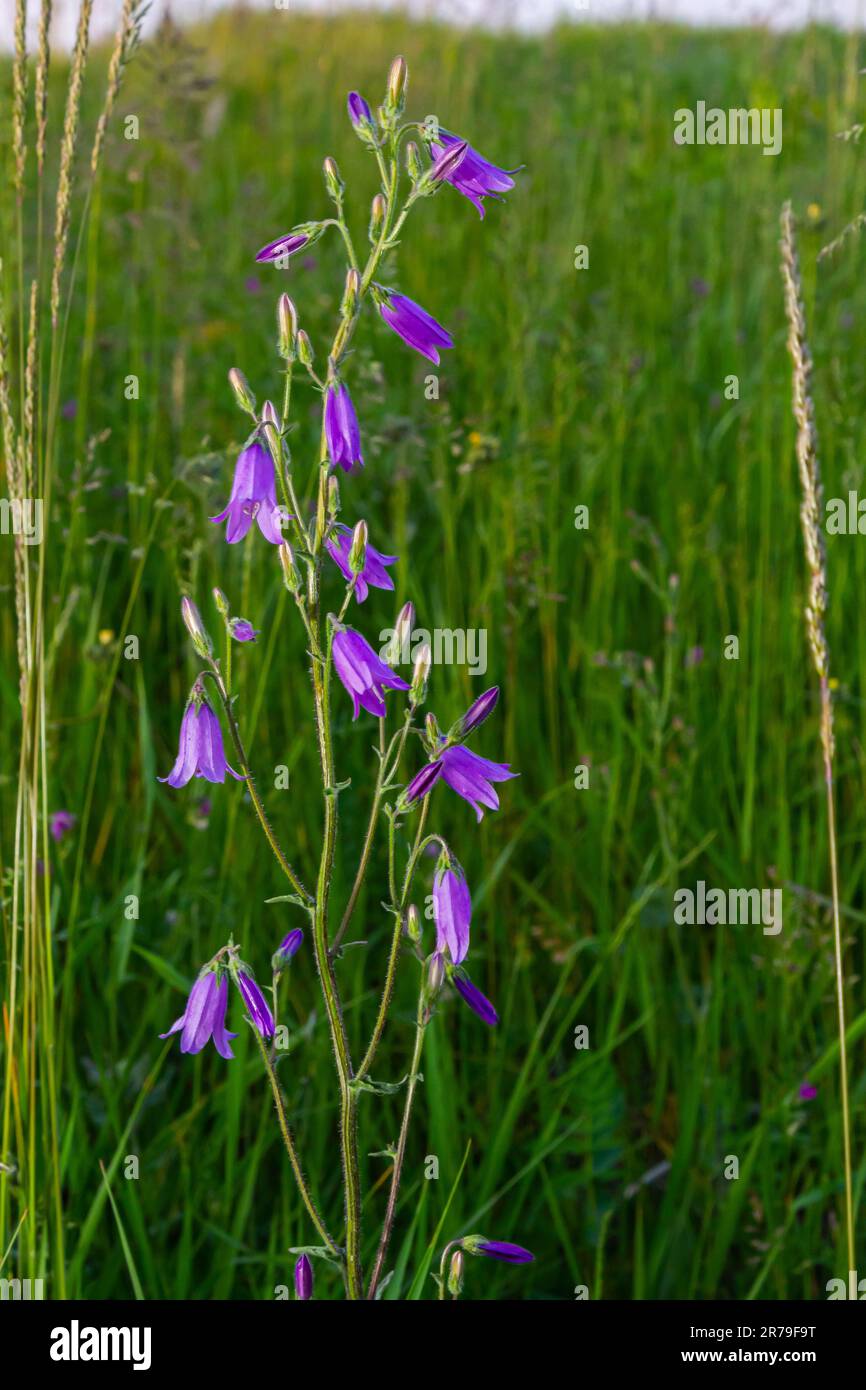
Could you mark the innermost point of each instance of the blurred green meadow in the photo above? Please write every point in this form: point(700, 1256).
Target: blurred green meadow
point(602, 387)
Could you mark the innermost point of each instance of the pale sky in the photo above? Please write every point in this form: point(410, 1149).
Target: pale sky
point(524, 14)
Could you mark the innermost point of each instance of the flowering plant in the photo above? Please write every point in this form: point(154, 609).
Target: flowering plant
point(314, 549)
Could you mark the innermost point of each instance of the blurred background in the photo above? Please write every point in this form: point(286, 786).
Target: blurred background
point(602, 387)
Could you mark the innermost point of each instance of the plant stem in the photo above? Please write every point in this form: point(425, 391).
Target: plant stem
point(292, 1151)
point(411, 1087)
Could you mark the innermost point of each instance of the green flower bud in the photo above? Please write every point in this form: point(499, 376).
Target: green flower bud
point(196, 628)
point(222, 603)
point(305, 349)
point(350, 294)
point(333, 498)
point(455, 1274)
point(287, 324)
point(397, 80)
point(413, 924)
point(377, 217)
point(414, 167)
point(291, 573)
point(358, 551)
point(423, 661)
point(333, 182)
point(243, 395)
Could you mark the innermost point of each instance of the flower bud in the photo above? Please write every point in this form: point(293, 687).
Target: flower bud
point(414, 167)
point(288, 947)
point(333, 182)
point(377, 217)
point(455, 1274)
point(243, 395)
point(435, 974)
point(431, 726)
point(361, 116)
point(291, 573)
point(421, 785)
point(358, 550)
point(423, 661)
point(222, 603)
point(303, 1279)
point(476, 714)
point(305, 349)
point(413, 924)
point(242, 631)
point(333, 498)
point(350, 294)
point(196, 628)
point(287, 324)
point(397, 651)
point(397, 78)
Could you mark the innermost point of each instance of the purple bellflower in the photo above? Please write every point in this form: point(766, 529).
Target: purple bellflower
point(303, 1279)
point(253, 497)
point(201, 747)
point(341, 428)
point(478, 711)
point(417, 328)
point(475, 999)
point(339, 547)
point(470, 776)
point(473, 176)
point(290, 945)
point(204, 1017)
point(452, 908)
point(256, 1004)
point(363, 674)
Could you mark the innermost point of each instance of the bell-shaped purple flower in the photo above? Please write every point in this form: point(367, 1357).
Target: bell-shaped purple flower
point(253, 497)
point(303, 1279)
point(342, 435)
point(503, 1250)
point(201, 751)
point(413, 324)
point(452, 908)
point(256, 1004)
point(364, 675)
point(339, 548)
point(470, 776)
point(475, 999)
point(283, 247)
point(475, 177)
point(204, 1017)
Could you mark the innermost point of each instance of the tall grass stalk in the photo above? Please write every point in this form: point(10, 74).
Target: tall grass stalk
point(811, 511)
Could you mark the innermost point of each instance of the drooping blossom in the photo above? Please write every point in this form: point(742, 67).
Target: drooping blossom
point(303, 1279)
point(475, 999)
point(422, 782)
point(201, 751)
point(470, 776)
point(253, 497)
point(243, 631)
point(283, 247)
point(363, 674)
point(452, 908)
point(204, 1017)
point(417, 328)
point(474, 176)
point(256, 1004)
point(59, 823)
point(342, 435)
point(339, 547)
